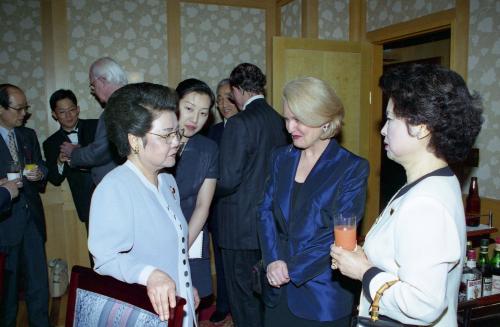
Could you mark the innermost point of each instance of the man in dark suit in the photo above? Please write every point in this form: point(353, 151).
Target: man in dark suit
point(8, 191)
point(245, 152)
point(22, 228)
point(65, 110)
point(105, 77)
point(227, 109)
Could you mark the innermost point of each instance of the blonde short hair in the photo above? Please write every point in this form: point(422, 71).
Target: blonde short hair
point(315, 104)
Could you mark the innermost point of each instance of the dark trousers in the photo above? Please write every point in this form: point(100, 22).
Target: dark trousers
point(26, 262)
point(246, 307)
point(281, 315)
point(222, 302)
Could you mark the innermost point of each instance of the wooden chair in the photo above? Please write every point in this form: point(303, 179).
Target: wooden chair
point(95, 300)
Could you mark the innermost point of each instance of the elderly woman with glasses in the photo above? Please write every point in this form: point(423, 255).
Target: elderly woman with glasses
point(137, 231)
point(196, 174)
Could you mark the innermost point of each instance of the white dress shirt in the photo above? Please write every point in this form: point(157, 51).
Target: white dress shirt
point(255, 97)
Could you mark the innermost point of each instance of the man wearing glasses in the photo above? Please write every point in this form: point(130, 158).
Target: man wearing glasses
point(22, 226)
point(105, 77)
point(65, 110)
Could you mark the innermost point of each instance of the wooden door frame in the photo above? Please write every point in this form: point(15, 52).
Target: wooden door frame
point(457, 21)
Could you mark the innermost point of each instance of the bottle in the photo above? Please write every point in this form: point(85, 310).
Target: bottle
point(462, 291)
point(473, 204)
point(470, 286)
point(484, 267)
point(468, 247)
point(495, 269)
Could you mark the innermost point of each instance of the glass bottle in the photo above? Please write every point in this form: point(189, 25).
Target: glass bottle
point(483, 264)
point(473, 204)
point(467, 248)
point(470, 286)
point(495, 268)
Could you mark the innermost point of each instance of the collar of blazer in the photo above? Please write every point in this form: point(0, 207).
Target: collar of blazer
point(318, 175)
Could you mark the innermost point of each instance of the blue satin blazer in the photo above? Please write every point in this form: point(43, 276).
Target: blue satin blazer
point(336, 184)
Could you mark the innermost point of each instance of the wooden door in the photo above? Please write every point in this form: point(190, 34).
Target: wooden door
point(346, 66)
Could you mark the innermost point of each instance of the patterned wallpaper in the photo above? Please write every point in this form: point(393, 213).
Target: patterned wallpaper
point(484, 76)
point(333, 19)
point(215, 39)
point(383, 13)
point(291, 19)
point(131, 32)
point(21, 61)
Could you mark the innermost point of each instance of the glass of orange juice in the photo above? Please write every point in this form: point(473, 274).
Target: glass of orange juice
point(344, 231)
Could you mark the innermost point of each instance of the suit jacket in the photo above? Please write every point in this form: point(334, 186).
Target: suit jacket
point(99, 155)
point(302, 237)
point(28, 205)
point(80, 180)
point(215, 132)
point(4, 199)
point(245, 151)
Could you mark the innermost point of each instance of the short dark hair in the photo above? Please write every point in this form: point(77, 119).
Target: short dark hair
point(4, 94)
point(191, 85)
point(438, 98)
point(133, 108)
point(60, 95)
point(248, 77)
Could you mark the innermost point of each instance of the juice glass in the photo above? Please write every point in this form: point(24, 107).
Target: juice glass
point(344, 231)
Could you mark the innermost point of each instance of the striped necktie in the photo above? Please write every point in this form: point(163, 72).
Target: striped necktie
point(12, 146)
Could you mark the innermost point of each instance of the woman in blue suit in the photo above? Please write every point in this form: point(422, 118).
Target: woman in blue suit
point(310, 181)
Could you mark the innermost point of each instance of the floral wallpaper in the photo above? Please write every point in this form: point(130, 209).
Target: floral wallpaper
point(333, 19)
point(484, 76)
point(131, 32)
point(21, 60)
point(291, 19)
point(383, 13)
point(215, 39)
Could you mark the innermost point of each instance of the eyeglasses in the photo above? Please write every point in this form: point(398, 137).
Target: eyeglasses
point(170, 137)
point(25, 108)
point(63, 111)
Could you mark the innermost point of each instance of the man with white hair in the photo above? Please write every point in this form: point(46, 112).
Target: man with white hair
point(105, 77)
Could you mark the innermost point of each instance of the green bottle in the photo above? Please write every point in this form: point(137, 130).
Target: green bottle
point(483, 264)
point(495, 268)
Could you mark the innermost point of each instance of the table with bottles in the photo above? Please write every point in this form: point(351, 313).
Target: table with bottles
point(479, 294)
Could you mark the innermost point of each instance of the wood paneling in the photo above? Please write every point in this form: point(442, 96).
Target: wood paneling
point(310, 19)
point(357, 20)
point(174, 42)
point(488, 204)
point(66, 235)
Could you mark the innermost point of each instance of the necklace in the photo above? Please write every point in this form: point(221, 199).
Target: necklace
point(182, 147)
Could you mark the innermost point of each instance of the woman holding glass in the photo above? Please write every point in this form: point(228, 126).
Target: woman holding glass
point(137, 232)
point(419, 238)
point(196, 174)
point(310, 182)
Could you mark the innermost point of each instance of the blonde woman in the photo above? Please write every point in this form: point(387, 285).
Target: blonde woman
point(310, 181)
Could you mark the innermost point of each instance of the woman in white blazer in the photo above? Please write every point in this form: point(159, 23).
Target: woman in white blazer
point(419, 238)
point(137, 231)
